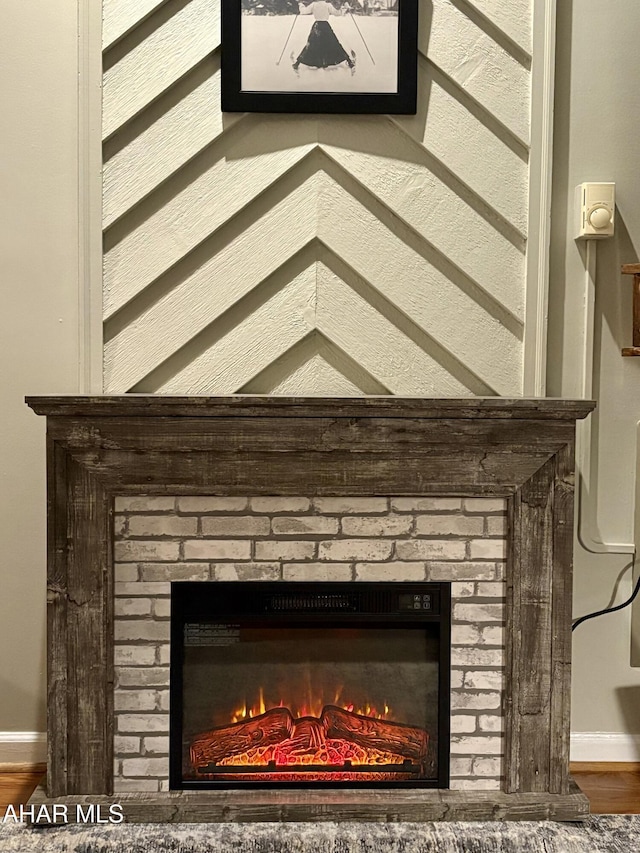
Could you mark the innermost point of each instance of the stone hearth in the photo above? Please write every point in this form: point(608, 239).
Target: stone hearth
point(375, 448)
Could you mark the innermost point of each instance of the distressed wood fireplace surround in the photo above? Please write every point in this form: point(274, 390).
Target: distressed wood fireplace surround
point(521, 450)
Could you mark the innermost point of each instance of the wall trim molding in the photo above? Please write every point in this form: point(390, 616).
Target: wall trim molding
point(31, 747)
point(90, 333)
point(604, 746)
point(540, 186)
point(23, 747)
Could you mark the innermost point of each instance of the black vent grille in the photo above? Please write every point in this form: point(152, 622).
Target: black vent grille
point(310, 603)
point(232, 600)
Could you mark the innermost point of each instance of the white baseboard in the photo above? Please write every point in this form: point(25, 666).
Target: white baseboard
point(604, 746)
point(31, 747)
point(23, 747)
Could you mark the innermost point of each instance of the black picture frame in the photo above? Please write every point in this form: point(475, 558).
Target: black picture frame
point(234, 98)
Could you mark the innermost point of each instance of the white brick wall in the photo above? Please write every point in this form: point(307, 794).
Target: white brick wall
point(164, 539)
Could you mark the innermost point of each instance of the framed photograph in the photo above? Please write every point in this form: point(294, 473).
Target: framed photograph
point(319, 56)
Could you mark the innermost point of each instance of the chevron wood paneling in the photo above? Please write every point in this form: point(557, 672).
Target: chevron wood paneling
point(288, 254)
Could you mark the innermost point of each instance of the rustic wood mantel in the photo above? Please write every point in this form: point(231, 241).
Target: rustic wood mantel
point(521, 449)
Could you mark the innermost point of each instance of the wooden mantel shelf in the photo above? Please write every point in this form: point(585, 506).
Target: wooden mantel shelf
point(153, 405)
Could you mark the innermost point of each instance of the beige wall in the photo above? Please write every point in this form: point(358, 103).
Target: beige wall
point(39, 339)
point(597, 108)
point(38, 322)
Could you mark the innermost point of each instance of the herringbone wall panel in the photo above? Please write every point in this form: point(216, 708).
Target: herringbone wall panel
point(315, 254)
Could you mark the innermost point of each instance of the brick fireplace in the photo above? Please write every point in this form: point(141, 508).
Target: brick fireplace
point(145, 491)
point(308, 539)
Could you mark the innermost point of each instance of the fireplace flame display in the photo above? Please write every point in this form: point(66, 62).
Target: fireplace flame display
point(311, 707)
point(338, 742)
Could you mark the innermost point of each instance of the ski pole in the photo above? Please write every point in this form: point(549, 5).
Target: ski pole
point(295, 18)
point(362, 37)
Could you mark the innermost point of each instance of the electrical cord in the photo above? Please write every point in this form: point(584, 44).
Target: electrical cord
point(624, 604)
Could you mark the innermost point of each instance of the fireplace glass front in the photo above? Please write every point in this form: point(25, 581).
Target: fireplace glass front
point(309, 684)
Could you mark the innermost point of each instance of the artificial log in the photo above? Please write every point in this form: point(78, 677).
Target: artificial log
point(270, 728)
point(397, 738)
point(308, 734)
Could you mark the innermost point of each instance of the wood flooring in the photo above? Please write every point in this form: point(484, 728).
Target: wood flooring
point(611, 788)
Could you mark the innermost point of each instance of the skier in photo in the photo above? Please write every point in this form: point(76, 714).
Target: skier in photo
point(322, 50)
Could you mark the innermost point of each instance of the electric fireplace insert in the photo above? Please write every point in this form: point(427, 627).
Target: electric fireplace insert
point(309, 684)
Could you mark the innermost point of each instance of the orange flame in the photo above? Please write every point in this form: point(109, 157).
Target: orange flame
point(311, 707)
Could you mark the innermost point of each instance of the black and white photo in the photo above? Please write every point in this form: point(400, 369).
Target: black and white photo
point(319, 55)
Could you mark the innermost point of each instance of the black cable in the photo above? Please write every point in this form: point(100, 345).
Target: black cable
point(624, 604)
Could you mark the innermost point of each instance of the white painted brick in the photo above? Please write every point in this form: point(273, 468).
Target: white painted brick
point(163, 657)
point(430, 549)
point(310, 525)
point(456, 678)
point(146, 676)
point(485, 505)
point(133, 655)
point(426, 504)
point(125, 573)
point(484, 745)
point(132, 607)
point(127, 590)
point(238, 525)
point(460, 766)
point(487, 549)
point(217, 549)
point(497, 525)
point(143, 723)
point(490, 723)
point(134, 700)
point(164, 784)
point(478, 612)
point(272, 505)
point(344, 506)
point(482, 680)
point(144, 503)
point(141, 630)
point(475, 785)
point(285, 550)
point(466, 571)
point(162, 608)
point(492, 636)
point(449, 525)
point(135, 786)
point(476, 657)
point(162, 700)
point(475, 701)
point(139, 551)
point(156, 745)
point(120, 526)
point(145, 767)
point(386, 525)
point(397, 571)
point(487, 767)
point(462, 590)
point(126, 745)
point(354, 549)
point(162, 525)
point(465, 635)
point(180, 572)
point(491, 590)
point(501, 570)
point(246, 571)
point(316, 572)
point(463, 723)
point(202, 505)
